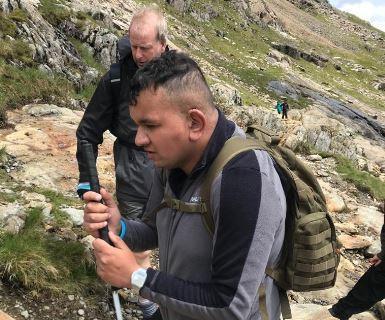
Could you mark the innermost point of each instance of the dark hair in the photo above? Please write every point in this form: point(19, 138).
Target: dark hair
point(175, 72)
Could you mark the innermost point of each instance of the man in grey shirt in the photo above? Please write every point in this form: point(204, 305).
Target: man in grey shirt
point(201, 276)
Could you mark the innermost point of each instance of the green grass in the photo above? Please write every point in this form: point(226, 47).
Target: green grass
point(39, 261)
point(347, 81)
point(16, 50)
point(18, 15)
point(364, 181)
point(7, 26)
point(353, 18)
point(58, 200)
point(87, 92)
point(87, 56)
point(305, 148)
point(22, 86)
point(240, 43)
point(54, 11)
point(7, 197)
point(255, 41)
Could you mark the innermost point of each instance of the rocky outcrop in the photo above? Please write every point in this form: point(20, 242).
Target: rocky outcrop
point(299, 54)
point(181, 5)
point(311, 5)
point(380, 86)
point(50, 46)
point(226, 95)
point(43, 142)
point(336, 109)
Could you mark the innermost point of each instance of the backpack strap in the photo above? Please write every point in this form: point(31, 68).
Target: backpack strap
point(115, 73)
point(188, 207)
point(231, 148)
point(262, 302)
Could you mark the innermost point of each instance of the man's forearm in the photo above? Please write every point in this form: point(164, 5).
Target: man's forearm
point(139, 236)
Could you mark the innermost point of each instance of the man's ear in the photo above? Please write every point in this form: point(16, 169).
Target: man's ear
point(197, 123)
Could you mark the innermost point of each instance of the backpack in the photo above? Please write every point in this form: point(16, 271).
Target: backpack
point(310, 254)
point(279, 107)
point(124, 49)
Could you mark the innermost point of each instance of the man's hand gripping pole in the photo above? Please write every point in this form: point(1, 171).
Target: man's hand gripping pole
point(89, 158)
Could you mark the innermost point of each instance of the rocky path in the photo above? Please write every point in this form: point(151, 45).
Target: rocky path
point(4, 316)
point(43, 145)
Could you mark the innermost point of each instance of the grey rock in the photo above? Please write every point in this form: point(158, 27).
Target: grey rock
point(298, 54)
point(374, 248)
point(81, 312)
point(40, 110)
point(226, 95)
point(12, 217)
point(314, 157)
point(13, 224)
point(380, 86)
point(75, 215)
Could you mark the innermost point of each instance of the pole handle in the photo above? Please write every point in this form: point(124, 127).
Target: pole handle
point(89, 158)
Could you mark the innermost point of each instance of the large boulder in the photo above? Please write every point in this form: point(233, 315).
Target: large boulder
point(226, 95)
point(354, 242)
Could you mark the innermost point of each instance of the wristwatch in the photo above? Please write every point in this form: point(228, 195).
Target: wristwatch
point(138, 278)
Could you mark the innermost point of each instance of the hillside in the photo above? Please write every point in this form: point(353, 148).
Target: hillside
point(327, 63)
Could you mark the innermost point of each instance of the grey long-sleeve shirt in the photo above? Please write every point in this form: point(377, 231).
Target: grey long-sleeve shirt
point(205, 277)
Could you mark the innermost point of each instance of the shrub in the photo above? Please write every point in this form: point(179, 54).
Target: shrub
point(7, 27)
point(18, 15)
point(16, 50)
point(39, 261)
point(23, 86)
point(54, 11)
point(364, 181)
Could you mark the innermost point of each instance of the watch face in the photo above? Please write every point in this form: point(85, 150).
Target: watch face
point(138, 278)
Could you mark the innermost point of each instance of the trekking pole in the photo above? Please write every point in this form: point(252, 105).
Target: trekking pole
point(89, 158)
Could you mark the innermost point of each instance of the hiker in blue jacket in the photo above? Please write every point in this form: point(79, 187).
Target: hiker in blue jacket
point(202, 275)
point(108, 110)
point(278, 106)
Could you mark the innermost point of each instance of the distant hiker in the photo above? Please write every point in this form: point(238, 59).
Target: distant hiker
point(369, 289)
point(285, 109)
point(279, 106)
point(219, 276)
point(108, 110)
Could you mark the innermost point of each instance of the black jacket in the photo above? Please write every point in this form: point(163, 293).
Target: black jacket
point(104, 113)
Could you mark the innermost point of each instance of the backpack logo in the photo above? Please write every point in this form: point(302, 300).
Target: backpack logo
point(196, 199)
